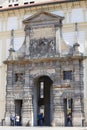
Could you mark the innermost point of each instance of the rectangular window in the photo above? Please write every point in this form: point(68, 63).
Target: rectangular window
point(19, 77)
point(67, 75)
point(10, 5)
point(41, 89)
point(31, 2)
point(15, 4)
point(25, 3)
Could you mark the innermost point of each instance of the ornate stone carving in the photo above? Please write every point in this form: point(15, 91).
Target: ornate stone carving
point(18, 95)
point(19, 78)
point(24, 78)
point(42, 47)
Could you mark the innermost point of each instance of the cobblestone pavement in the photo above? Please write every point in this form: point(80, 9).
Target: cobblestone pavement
point(42, 128)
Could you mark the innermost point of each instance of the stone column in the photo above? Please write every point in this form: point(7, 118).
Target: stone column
point(9, 96)
point(10, 108)
point(84, 14)
point(66, 16)
point(58, 112)
point(31, 85)
point(5, 15)
point(76, 71)
point(22, 13)
point(78, 108)
point(57, 40)
point(27, 115)
point(27, 111)
point(70, 15)
point(1, 17)
point(17, 14)
point(85, 80)
point(18, 19)
point(27, 39)
point(77, 113)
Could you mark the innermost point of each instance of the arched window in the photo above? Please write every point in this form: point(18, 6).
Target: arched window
point(41, 89)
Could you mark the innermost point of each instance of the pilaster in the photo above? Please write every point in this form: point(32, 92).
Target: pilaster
point(85, 80)
point(69, 15)
point(58, 111)
point(5, 15)
point(84, 14)
point(20, 17)
point(27, 33)
point(77, 112)
point(22, 13)
point(10, 108)
point(27, 110)
point(85, 110)
point(76, 70)
point(57, 40)
point(66, 16)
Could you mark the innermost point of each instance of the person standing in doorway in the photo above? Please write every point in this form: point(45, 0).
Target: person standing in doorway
point(40, 119)
point(69, 121)
point(12, 120)
point(17, 120)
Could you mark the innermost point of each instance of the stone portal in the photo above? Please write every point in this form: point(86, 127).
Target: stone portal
point(45, 76)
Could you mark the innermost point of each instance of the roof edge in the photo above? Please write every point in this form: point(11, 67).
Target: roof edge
point(37, 4)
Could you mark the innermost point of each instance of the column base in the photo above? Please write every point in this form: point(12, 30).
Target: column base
point(85, 123)
point(7, 120)
point(25, 122)
point(58, 120)
point(77, 120)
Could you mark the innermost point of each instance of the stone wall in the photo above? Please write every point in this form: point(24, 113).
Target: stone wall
point(42, 56)
point(61, 89)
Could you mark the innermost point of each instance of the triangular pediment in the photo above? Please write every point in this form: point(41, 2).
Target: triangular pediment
point(42, 16)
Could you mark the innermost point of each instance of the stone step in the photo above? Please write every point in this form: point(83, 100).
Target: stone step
point(41, 128)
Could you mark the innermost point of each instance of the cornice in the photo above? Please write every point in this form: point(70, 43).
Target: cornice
point(52, 59)
point(48, 6)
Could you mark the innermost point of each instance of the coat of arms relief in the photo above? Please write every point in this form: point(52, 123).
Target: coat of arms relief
point(42, 47)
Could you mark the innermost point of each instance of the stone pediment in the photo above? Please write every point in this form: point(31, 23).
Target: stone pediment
point(42, 16)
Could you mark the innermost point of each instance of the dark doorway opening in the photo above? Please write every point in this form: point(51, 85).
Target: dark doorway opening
point(18, 109)
point(68, 111)
point(43, 101)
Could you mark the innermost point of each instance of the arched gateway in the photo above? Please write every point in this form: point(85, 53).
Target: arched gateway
point(45, 76)
point(42, 100)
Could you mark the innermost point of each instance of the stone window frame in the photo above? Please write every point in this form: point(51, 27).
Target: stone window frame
point(67, 75)
point(19, 77)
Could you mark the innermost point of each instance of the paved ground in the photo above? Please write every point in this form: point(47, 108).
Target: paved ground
point(42, 128)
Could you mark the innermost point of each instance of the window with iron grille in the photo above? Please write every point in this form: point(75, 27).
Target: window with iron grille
point(67, 75)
